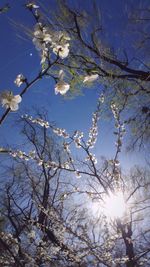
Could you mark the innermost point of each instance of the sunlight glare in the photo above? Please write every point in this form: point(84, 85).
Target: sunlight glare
point(114, 206)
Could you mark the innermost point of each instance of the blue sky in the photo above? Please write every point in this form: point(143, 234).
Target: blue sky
point(15, 58)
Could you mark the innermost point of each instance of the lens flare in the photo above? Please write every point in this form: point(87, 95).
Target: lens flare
point(114, 205)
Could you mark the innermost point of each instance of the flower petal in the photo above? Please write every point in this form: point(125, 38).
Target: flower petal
point(90, 78)
point(17, 99)
point(14, 106)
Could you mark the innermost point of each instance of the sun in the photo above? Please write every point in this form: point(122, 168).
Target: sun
point(114, 205)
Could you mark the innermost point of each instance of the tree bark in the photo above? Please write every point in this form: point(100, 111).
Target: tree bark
point(126, 231)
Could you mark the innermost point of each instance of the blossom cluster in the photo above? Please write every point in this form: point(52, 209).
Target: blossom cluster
point(61, 132)
point(32, 235)
point(10, 241)
point(66, 147)
point(101, 98)
point(120, 131)
point(93, 130)
point(45, 40)
point(19, 154)
point(120, 137)
point(32, 156)
point(52, 164)
point(115, 110)
point(8, 100)
point(77, 138)
point(121, 260)
point(91, 157)
point(38, 121)
point(58, 131)
point(49, 163)
point(56, 221)
point(120, 126)
point(42, 249)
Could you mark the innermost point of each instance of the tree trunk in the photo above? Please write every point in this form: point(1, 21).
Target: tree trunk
point(126, 232)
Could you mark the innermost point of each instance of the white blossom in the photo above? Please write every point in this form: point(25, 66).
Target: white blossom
point(40, 162)
point(32, 154)
point(62, 87)
point(42, 35)
point(31, 234)
point(8, 100)
point(61, 50)
point(66, 166)
point(19, 80)
point(31, 5)
point(66, 147)
point(77, 173)
point(90, 78)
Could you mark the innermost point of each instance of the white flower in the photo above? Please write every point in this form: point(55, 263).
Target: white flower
point(44, 56)
point(8, 100)
point(61, 50)
point(102, 98)
point(39, 162)
point(78, 175)
point(47, 35)
point(42, 36)
point(19, 80)
point(47, 38)
point(31, 234)
point(62, 87)
point(31, 5)
point(60, 44)
point(90, 78)
point(66, 166)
